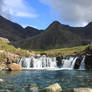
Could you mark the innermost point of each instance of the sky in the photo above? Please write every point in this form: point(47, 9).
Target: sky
point(41, 13)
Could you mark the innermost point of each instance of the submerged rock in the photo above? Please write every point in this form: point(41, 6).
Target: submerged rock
point(82, 90)
point(14, 67)
point(52, 88)
point(32, 88)
point(1, 80)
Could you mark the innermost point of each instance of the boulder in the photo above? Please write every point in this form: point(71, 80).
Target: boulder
point(52, 88)
point(14, 67)
point(82, 90)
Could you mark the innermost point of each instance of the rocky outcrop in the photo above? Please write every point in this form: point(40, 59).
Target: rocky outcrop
point(88, 59)
point(52, 88)
point(89, 50)
point(88, 62)
point(82, 90)
point(7, 58)
point(59, 60)
point(14, 67)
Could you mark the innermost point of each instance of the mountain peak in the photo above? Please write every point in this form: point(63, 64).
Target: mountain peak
point(56, 22)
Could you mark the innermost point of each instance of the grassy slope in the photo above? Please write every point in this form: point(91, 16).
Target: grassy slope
point(63, 51)
point(52, 52)
point(11, 49)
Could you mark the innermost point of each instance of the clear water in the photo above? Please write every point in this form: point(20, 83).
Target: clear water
point(68, 79)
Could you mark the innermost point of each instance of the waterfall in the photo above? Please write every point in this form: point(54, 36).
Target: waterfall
point(38, 63)
point(82, 65)
point(43, 62)
point(69, 63)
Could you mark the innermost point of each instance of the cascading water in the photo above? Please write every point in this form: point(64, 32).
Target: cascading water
point(69, 62)
point(82, 65)
point(44, 62)
point(38, 63)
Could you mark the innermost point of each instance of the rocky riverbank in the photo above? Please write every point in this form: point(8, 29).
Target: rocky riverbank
point(87, 53)
point(8, 60)
point(9, 56)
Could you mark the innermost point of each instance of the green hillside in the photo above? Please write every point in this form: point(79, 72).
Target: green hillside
point(63, 51)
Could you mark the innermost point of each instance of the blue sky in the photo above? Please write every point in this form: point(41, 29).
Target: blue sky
point(41, 13)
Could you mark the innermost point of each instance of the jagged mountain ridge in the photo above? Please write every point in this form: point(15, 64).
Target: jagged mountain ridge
point(57, 35)
point(15, 32)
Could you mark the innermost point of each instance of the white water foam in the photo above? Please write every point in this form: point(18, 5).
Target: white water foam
point(47, 63)
point(82, 65)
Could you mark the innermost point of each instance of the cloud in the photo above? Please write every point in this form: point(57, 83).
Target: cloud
point(1, 9)
point(16, 8)
point(73, 12)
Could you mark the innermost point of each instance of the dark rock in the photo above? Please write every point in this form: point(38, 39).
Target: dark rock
point(78, 62)
point(59, 60)
point(89, 50)
point(43, 54)
point(88, 62)
point(88, 59)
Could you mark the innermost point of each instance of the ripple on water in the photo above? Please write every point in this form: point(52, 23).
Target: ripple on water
point(18, 81)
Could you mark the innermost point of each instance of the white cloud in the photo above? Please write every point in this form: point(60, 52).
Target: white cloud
point(17, 8)
point(73, 12)
point(23, 14)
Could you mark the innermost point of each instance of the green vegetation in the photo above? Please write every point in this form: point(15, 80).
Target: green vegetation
point(52, 52)
point(63, 51)
point(9, 48)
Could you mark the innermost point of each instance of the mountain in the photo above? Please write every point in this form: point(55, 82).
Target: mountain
point(15, 32)
point(58, 35)
point(30, 31)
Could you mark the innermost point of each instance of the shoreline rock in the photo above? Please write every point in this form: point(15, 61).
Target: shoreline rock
point(52, 88)
point(14, 67)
